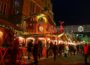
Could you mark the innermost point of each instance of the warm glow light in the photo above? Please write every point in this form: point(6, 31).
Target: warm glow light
point(48, 39)
point(42, 16)
point(71, 43)
point(41, 38)
point(21, 40)
point(60, 42)
point(1, 34)
point(61, 35)
point(30, 38)
point(53, 41)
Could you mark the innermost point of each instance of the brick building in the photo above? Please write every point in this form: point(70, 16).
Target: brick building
point(38, 17)
point(32, 16)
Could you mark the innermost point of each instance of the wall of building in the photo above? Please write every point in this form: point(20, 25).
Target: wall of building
point(74, 28)
point(36, 8)
point(11, 10)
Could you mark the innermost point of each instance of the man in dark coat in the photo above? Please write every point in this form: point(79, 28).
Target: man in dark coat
point(40, 48)
point(29, 48)
point(35, 52)
point(55, 51)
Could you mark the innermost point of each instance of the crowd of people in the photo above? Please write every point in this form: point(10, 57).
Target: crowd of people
point(52, 49)
point(38, 50)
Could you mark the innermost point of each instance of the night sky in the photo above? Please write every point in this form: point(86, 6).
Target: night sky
point(72, 12)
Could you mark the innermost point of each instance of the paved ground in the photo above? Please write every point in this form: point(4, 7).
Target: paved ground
point(61, 60)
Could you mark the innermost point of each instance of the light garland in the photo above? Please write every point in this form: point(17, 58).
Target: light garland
point(6, 27)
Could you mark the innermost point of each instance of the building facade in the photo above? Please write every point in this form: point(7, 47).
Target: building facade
point(11, 10)
point(10, 15)
point(76, 30)
point(38, 17)
point(33, 16)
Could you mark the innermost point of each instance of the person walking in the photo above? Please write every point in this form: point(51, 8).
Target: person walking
point(35, 52)
point(85, 53)
point(29, 48)
point(55, 51)
point(47, 49)
point(66, 50)
point(40, 48)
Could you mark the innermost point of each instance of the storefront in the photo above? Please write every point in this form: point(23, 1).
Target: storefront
point(6, 32)
point(6, 36)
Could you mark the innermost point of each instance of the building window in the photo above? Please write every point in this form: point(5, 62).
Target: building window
point(17, 5)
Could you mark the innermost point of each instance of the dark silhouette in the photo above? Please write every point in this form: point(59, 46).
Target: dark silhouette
point(47, 49)
point(85, 53)
point(51, 49)
point(55, 51)
point(29, 48)
point(40, 47)
point(66, 50)
point(61, 48)
point(35, 52)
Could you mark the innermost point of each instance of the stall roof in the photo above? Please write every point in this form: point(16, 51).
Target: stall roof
point(7, 23)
